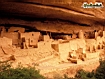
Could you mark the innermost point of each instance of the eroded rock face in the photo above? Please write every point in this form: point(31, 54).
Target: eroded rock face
point(66, 14)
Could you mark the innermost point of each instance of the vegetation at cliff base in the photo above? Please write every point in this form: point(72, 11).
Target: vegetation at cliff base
point(99, 73)
point(7, 72)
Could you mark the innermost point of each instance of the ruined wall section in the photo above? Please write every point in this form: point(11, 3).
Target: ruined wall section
point(12, 35)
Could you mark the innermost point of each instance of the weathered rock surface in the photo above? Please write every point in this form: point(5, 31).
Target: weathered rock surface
point(68, 10)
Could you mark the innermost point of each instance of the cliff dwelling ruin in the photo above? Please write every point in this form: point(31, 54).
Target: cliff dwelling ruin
point(83, 45)
point(52, 35)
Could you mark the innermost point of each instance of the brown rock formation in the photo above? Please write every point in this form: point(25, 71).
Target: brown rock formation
point(67, 10)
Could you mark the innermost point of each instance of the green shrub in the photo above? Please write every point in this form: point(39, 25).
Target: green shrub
point(100, 71)
point(81, 74)
point(7, 72)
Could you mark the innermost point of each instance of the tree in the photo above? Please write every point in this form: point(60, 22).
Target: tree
point(100, 71)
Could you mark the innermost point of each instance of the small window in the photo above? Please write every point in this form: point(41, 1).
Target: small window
point(31, 40)
point(32, 34)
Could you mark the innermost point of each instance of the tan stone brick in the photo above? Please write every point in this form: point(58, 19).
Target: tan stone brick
point(92, 55)
point(91, 45)
point(31, 38)
point(45, 38)
point(67, 37)
point(74, 36)
point(76, 44)
point(74, 60)
point(28, 35)
point(12, 35)
point(103, 33)
point(99, 40)
point(44, 45)
point(63, 49)
point(96, 34)
point(33, 42)
point(73, 44)
point(81, 34)
point(55, 46)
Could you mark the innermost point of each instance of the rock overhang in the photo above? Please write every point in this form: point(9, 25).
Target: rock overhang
point(69, 11)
